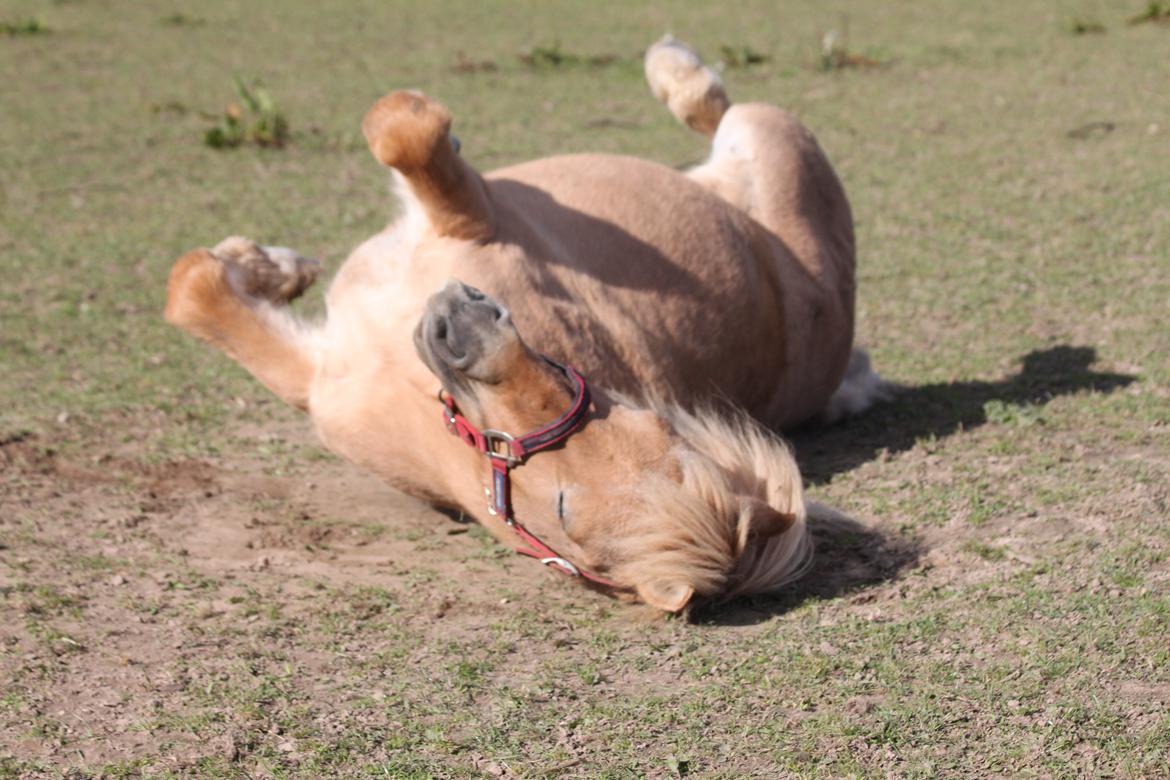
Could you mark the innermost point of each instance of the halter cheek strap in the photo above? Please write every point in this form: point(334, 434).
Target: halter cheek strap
point(505, 451)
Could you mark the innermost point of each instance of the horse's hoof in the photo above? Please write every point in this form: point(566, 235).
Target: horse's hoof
point(272, 273)
point(692, 91)
point(405, 129)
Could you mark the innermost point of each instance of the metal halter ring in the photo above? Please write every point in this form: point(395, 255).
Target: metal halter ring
point(566, 566)
point(491, 437)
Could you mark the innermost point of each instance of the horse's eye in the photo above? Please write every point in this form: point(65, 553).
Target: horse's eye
point(561, 506)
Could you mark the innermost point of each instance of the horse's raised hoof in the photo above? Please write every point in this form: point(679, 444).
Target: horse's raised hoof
point(464, 334)
point(405, 129)
point(409, 132)
point(693, 92)
point(272, 273)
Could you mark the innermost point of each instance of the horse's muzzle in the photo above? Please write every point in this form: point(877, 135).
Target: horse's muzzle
point(462, 333)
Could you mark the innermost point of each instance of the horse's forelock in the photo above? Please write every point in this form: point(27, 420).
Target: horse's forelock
point(694, 531)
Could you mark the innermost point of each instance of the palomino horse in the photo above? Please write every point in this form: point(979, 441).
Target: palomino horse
point(730, 282)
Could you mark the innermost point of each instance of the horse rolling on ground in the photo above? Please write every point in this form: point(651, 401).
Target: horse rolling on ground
point(732, 281)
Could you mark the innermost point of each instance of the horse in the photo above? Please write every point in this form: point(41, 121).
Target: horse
point(671, 320)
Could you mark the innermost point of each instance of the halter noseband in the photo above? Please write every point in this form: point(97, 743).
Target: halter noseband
point(505, 451)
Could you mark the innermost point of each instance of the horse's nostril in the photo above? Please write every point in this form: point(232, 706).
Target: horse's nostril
point(441, 328)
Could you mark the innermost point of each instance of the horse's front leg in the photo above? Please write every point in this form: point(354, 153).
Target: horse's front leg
point(410, 132)
point(234, 296)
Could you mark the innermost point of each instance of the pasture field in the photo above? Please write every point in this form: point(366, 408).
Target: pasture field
point(191, 587)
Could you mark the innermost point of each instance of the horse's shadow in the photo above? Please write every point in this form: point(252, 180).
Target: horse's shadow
point(851, 555)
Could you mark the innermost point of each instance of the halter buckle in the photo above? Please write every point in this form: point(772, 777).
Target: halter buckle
point(491, 438)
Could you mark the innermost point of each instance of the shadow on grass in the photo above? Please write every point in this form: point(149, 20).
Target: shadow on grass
point(939, 410)
point(851, 556)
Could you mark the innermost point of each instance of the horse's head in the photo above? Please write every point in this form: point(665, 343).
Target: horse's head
point(667, 504)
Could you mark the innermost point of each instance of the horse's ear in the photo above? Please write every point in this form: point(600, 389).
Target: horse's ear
point(761, 521)
point(667, 596)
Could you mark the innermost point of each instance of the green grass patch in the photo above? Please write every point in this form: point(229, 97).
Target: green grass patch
point(1080, 26)
point(256, 119)
point(736, 57)
point(1156, 11)
point(23, 27)
point(553, 56)
point(987, 552)
point(182, 20)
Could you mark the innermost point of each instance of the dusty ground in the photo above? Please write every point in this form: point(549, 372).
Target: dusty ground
point(243, 616)
point(190, 587)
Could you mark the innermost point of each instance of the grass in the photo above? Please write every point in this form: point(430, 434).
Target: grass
point(999, 610)
point(1080, 26)
point(30, 26)
point(1155, 11)
point(741, 56)
point(256, 119)
point(553, 56)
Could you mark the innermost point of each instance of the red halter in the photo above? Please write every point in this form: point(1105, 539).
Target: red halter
point(505, 451)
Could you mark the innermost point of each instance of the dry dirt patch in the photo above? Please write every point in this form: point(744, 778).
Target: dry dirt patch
point(130, 589)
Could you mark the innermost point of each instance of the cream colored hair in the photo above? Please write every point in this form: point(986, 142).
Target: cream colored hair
point(705, 533)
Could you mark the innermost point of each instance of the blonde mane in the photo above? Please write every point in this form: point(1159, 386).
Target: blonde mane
point(698, 531)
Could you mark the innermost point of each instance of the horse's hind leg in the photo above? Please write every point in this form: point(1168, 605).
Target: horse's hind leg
point(234, 297)
point(693, 92)
point(763, 160)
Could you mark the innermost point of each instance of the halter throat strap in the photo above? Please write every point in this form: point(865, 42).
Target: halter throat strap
point(504, 451)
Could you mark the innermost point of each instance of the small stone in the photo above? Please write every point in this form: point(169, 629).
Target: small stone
point(118, 579)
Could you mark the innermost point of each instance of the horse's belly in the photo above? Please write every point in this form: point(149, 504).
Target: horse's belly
point(643, 278)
